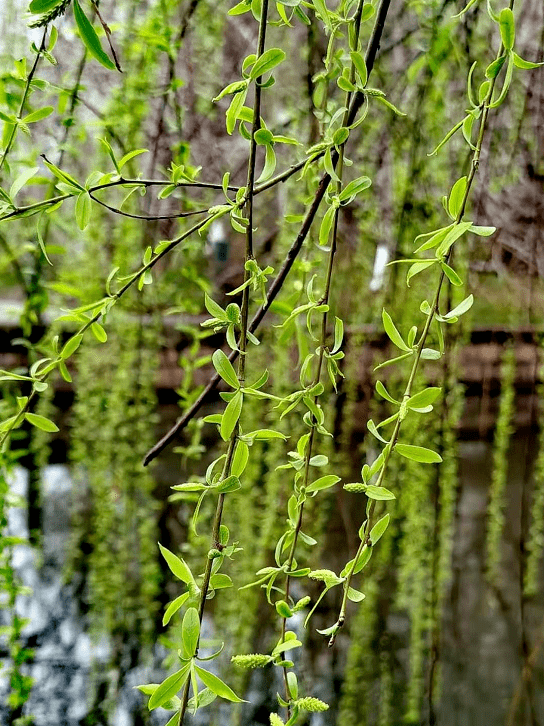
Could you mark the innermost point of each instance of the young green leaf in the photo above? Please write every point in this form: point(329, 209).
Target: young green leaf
point(225, 369)
point(456, 196)
point(379, 528)
point(71, 346)
point(507, 26)
point(190, 631)
point(461, 308)
point(177, 566)
point(360, 66)
point(169, 687)
point(231, 415)
point(83, 210)
point(353, 188)
point(424, 398)
point(524, 64)
point(382, 390)
point(452, 276)
point(418, 453)
point(21, 180)
point(90, 38)
point(268, 60)
point(40, 422)
point(43, 6)
point(38, 115)
point(379, 493)
point(216, 685)
point(173, 607)
point(99, 332)
point(392, 332)
point(324, 482)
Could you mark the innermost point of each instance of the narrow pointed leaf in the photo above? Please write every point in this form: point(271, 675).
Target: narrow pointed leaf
point(90, 38)
point(418, 453)
point(216, 685)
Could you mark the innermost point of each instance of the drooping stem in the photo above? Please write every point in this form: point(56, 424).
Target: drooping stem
point(390, 446)
point(293, 252)
point(242, 343)
point(11, 137)
point(322, 347)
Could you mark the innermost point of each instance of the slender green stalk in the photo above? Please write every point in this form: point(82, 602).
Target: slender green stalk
point(242, 343)
point(365, 538)
point(11, 137)
point(322, 347)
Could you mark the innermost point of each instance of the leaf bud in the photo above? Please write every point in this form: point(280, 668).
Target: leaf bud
point(302, 603)
point(356, 487)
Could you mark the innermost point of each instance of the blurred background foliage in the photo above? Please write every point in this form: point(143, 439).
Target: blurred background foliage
point(465, 550)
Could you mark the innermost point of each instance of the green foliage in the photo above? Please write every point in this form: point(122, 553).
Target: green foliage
point(275, 501)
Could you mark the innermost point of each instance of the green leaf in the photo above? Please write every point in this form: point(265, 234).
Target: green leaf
point(268, 60)
point(360, 66)
point(131, 154)
point(21, 180)
point(230, 484)
point(99, 332)
point(266, 434)
point(173, 607)
point(169, 687)
point(240, 459)
point(390, 106)
point(379, 528)
point(231, 415)
point(392, 332)
point(457, 231)
point(90, 38)
point(524, 64)
point(461, 308)
point(71, 346)
point(379, 493)
point(326, 226)
point(38, 115)
point(324, 482)
point(418, 267)
point(225, 369)
point(215, 310)
point(494, 68)
point(456, 197)
point(424, 398)
point(382, 390)
point(216, 685)
point(40, 422)
point(83, 210)
point(43, 6)
point(418, 453)
point(177, 566)
point(220, 581)
point(507, 25)
point(506, 84)
point(269, 165)
point(190, 632)
point(482, 231)
point(355, 595)
point(354, 187)
point(452, 276)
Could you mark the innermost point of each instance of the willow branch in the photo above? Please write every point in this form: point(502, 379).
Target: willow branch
point(356, 103)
